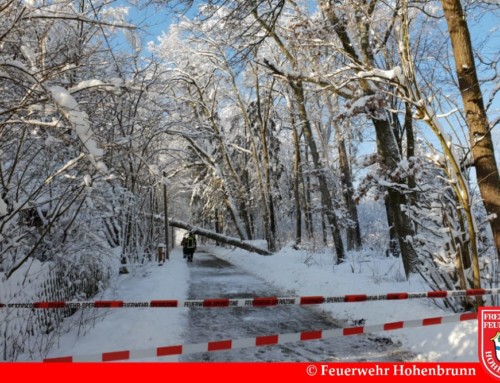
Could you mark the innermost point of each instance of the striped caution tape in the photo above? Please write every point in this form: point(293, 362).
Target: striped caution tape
point(268, 340)
point(251, 302)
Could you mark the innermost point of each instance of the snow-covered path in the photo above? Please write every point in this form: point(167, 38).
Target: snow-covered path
point(211, 277)
point(240, 274)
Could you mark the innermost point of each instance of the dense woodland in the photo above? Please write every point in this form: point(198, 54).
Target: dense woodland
point(289, 121)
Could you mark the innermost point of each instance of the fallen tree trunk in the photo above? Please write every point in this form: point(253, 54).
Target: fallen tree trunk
point(219, 237)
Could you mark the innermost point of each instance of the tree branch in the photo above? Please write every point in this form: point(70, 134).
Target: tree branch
point(219, 237)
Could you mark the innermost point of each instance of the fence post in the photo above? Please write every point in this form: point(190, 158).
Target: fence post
point(160, 255)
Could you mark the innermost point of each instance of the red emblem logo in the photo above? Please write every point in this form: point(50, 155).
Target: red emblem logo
point(489, 339)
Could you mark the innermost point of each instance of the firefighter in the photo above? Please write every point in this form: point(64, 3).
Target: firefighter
point(188, 244)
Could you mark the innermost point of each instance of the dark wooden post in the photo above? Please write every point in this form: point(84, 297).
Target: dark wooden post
point(160, 255)
point(165, 211)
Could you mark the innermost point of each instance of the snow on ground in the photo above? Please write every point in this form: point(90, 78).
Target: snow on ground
point(296, 273)
point(134, 328)
point(303, 274)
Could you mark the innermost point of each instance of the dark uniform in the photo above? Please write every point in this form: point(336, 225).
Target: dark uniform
point(188, 246)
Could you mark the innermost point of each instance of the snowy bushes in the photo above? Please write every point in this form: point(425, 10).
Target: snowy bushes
point(29, 333)
point(55, 189)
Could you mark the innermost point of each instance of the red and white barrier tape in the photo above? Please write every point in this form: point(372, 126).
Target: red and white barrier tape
point(268, 340)
point(251, 302)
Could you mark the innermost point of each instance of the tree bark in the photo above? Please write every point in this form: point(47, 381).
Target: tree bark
point(488, 177)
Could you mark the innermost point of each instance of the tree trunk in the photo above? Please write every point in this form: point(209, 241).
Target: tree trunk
point(219, 237)
point(218, 228)
point(326, 200)
point(410, 150)
point(306, 199)
point(393, 233)
point(386, 142)
point(242, 195)
point(388, 150)
point(353, 230)
point(268, 217)
point(256, 127)
point(452, 164)
point(165, 213)
point(296, 184)
point(488, 177)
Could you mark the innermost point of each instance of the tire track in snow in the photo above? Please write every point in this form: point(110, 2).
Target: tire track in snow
point(211, 277)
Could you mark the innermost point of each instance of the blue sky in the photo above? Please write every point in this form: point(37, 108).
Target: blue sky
point(153, 20)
